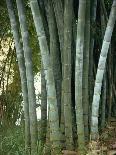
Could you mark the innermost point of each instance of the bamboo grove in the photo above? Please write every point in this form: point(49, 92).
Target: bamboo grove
point(76, 39)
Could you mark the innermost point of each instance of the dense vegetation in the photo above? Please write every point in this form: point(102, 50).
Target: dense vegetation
point(72, 43)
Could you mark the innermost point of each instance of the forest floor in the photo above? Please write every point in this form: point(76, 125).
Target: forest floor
point(106, 145)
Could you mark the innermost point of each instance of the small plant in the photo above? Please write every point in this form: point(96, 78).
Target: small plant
point(12, 142)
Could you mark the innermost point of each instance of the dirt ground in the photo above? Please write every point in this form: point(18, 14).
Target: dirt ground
point(106, 145)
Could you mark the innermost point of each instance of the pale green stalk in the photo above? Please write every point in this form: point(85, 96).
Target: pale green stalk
point(29, 75)
point(50, 82)
point(79, 75)
point(100, 71)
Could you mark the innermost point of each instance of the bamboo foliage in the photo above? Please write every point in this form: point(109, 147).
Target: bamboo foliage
point(22, 69)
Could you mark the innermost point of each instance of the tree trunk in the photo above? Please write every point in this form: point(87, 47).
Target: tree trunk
point(68, 10)
point(22, 70)
point(103, 102)
point(104, 90)
point(79, 75)
point(54, 52)
point(29, 75)
point(85, 99)
point(50, 82)
point(59, 13)
point(91, 76)
point(43, 107)
point(100, 71)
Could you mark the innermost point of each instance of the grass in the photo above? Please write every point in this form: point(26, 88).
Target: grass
point(12, 141)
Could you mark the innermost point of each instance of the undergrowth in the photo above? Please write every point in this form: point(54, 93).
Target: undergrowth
point(12, 141)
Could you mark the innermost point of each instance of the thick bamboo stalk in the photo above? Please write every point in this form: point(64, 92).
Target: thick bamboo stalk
point(59, 12)
point(43, 107)
point(50, 82)
point(85, 84)
point(68, 10)
point(100, 71)
point(104, 90)
point(79, 75)
point(29, 75)
point(54, 52)
point(91, 68)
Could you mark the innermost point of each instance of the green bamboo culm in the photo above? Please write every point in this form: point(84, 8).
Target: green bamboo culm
point(100, 71)
point(85, 85)
point(68, 10)
point(50, 82)
point(29, 75)
point(54, 52)
point(59, 13)
point(79, 75)
point(104, 88)
point(43, 107)
point(91, 64)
